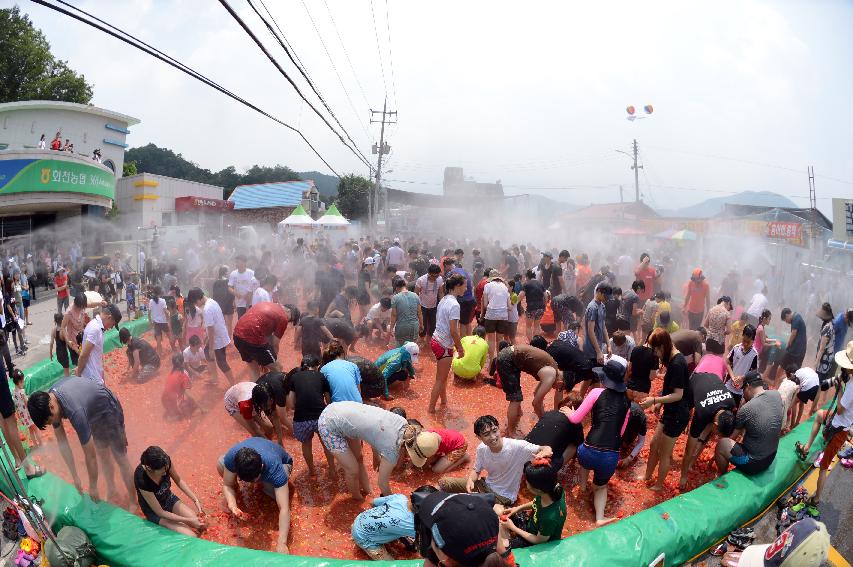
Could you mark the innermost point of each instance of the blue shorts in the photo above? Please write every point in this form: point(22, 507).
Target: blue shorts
point(304, 430)
point(601, 463)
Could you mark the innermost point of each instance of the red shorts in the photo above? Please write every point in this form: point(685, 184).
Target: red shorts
point(832, 448)
point(439, 350)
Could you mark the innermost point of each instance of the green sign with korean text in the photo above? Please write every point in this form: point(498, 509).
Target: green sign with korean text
point(52, 175)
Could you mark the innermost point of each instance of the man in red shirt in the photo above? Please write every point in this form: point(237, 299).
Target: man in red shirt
point(60, 281)
point(258, 333)
point(697, 299)
point(647, 274)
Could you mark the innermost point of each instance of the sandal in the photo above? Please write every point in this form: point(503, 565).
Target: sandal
point(37, 472)
point(800, 449)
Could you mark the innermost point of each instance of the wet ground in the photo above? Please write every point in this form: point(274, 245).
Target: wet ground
point(322, 513)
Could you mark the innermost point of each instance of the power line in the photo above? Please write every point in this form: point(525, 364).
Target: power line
point(156, 53)
point(335, 68)
point(750, 162)
point(276, 64)
point(346, 53)
point(390, 54)
point(378, 49)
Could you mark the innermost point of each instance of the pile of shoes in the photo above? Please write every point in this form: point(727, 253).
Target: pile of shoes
point(795, 507)
point(13, 527)
point(738, 540)
point(846, 457)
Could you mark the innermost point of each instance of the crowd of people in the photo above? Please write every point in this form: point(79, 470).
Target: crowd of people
point(613, 345)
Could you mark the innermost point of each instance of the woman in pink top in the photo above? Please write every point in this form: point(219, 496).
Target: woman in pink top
point(610, 410)
point(713, 362)
point(762, 344)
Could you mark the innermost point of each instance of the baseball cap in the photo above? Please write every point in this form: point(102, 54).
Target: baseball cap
point(369, 261)
point(724, 299)
point(463, 526)
point(413, 349)
point(803, 544)
point(424, 446)
point(753, 378)
point(612, 374)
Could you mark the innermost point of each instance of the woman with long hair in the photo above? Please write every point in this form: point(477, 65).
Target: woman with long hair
point(676, 411)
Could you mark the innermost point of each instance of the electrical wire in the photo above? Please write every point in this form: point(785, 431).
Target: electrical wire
point(378, 49)
point(129, 39)
point(335, 68)
point(281, 70)
point(346, 53)
point(390, 54)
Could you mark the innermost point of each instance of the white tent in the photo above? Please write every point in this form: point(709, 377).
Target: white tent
point(298, 218)
point(333, 219)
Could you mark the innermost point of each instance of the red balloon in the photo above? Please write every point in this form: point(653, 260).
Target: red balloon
point(630, 110)
point(649, 109)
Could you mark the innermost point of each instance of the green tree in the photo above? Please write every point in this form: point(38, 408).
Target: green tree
point(28, 70)
point(353, 196)
point(129, 169)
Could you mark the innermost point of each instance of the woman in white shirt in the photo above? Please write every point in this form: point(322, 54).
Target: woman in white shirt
point(496, 306)
point(159, 318)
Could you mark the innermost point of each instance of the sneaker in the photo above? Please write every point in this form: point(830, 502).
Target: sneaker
point(846, 453)
point(847, 463)
point(744, 532)
point(720, 550)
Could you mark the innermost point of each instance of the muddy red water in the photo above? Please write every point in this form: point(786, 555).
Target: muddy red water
point(322, 514)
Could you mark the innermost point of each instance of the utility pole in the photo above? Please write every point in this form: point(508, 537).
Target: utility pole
point(636, 169)
point(812, 202)
point(621, 195)
point(381, 150)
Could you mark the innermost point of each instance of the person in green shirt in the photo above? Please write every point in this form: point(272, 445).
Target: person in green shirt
point(396, 365)
point(542, 519)
point(474, 359)
point(406, 317)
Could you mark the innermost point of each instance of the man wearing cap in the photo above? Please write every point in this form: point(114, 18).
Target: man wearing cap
point(837, 423)
point(463, 530)
point(91, 362)
point(804, 544)
point(396, 365)
point(60, 282)
point(759, 420)
point(697, 300)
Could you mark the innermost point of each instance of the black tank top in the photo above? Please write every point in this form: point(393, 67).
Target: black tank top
point(608, 416)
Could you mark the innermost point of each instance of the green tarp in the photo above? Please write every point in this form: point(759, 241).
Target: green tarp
point(694, 521)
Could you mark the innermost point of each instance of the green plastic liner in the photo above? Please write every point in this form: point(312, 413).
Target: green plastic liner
point(680, 528)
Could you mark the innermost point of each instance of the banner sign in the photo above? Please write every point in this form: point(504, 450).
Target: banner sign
point(51, 175)
point(842, 219)
point(184, 204)
point(790, 231)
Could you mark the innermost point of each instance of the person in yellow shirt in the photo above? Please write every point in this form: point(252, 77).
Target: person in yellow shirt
point(476, 350)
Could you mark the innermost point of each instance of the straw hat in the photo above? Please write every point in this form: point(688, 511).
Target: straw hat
point(844, 358)
point(424, 446)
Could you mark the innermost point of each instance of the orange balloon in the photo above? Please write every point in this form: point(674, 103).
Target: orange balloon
point(630, 110)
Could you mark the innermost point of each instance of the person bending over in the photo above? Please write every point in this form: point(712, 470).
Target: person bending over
point(258, 460)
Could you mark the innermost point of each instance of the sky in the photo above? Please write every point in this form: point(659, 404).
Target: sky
point(746, 94)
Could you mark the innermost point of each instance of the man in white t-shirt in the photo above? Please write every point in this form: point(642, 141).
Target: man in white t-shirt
point(91, 362)
point(141, 265)
point(264, 292)
point(217, 333)
point(757, 306)
point(430, 289)
point(840, 421)
point(241, 283)
point(502, 458)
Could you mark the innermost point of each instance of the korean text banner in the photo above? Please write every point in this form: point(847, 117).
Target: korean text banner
point(49, 175)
